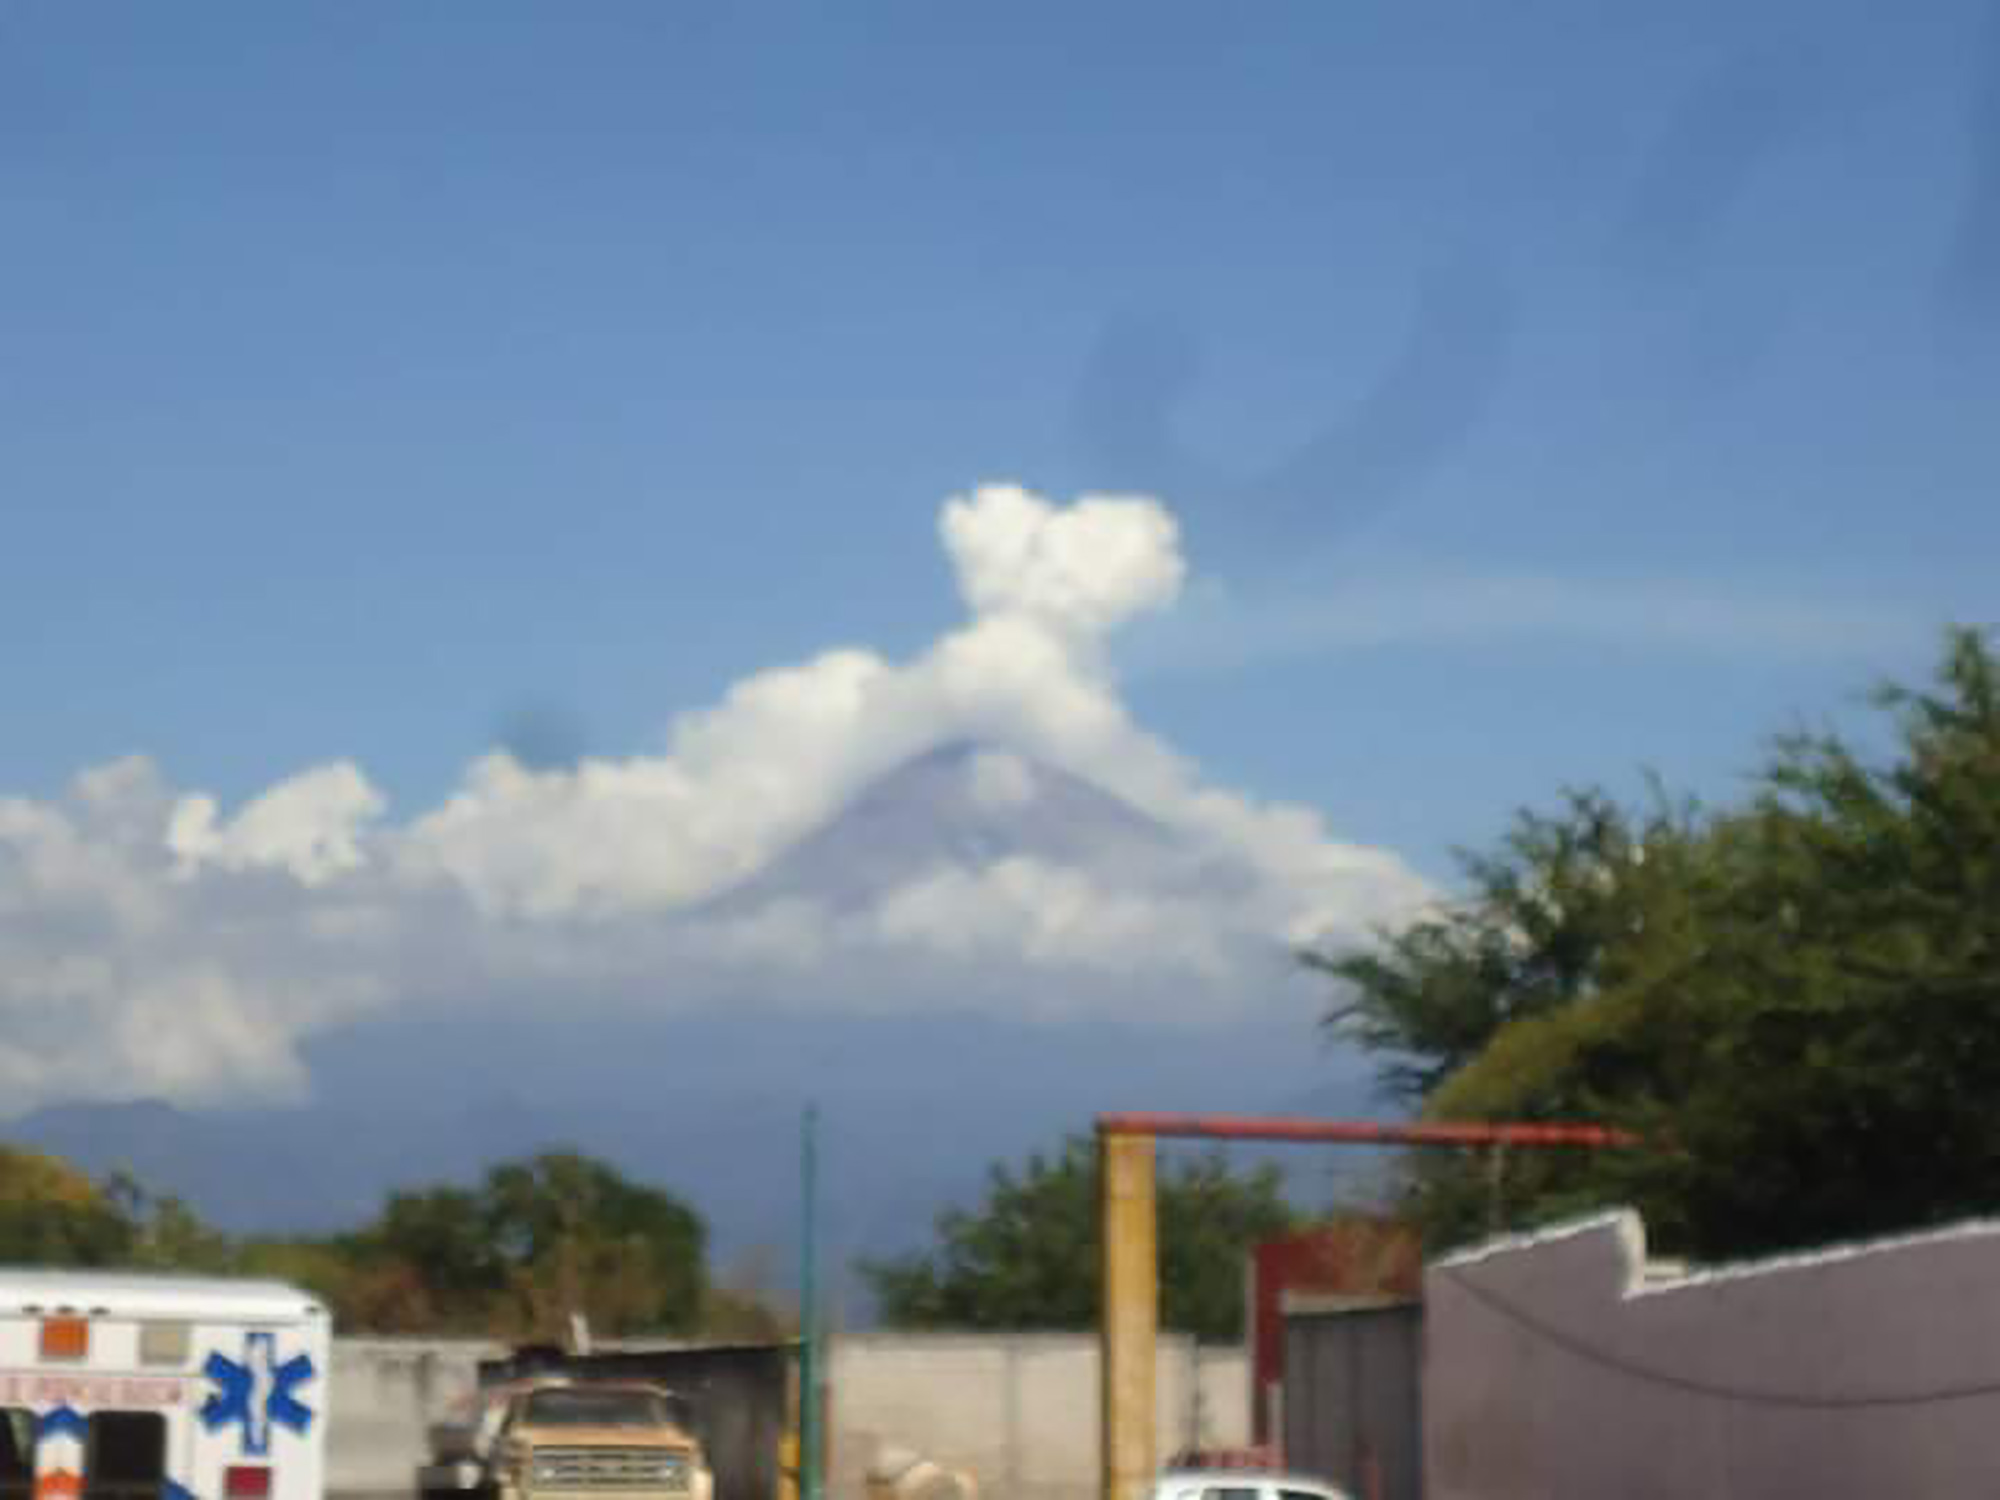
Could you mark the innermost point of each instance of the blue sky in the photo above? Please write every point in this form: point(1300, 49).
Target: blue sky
point(370, 376)
point(1543, 392)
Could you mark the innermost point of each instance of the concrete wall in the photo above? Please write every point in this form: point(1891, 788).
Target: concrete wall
point(1020, 1412)
point(382, 1395)
point(1559, 1367)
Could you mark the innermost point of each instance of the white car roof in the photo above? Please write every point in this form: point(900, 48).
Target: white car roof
point(1237, 1478)
point(135, 1294)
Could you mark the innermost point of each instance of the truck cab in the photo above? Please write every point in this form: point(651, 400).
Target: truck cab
point(557, 1439)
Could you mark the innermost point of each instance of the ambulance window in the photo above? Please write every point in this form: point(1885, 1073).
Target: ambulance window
point(125, 1456)
point(17, 1453)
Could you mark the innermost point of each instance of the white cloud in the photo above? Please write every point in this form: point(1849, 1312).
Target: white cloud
point(1083, 569)
point(119, 975)
point(1052, 915)
point(310, 826)
point(152, 944)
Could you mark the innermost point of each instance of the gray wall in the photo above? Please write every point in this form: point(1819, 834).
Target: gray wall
point(382, 1394)
point(1558, 1367)
point(1017, 1411)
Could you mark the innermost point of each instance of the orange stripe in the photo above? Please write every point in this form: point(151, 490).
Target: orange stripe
point(58, 1482)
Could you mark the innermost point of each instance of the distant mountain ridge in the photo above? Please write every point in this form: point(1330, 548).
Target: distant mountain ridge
point(705, 1104)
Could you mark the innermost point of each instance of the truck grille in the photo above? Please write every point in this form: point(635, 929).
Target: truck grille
point(608, 1469)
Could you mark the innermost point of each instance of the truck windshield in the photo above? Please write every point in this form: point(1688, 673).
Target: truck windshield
point(595, 1409)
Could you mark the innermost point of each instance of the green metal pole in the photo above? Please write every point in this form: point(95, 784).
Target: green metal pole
point(809, 1413)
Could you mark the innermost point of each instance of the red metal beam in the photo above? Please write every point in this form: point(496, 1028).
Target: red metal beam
point(1359, 1132)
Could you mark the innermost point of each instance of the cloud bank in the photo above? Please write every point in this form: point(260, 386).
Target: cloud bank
point(154, 942)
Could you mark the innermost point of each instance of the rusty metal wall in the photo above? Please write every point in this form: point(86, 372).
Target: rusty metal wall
point(739, 1396)
point(1353, 1409)
point(1357, 1257)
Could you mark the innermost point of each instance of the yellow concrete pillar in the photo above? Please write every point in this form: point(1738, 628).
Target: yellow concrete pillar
point(1130, 1315)
point(788, 1465)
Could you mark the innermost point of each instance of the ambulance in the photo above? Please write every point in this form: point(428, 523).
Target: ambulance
point(134, 1387)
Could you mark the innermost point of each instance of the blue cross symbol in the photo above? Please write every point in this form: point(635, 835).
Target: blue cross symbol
point(257, 1392)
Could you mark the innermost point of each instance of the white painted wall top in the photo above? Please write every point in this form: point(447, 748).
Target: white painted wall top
point(1648, 1277)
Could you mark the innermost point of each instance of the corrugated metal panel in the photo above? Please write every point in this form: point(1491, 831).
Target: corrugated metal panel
point(1353, 1399)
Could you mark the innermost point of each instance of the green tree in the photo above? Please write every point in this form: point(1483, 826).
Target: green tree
point(164, 1234)
point(322, 1267)
point(515, 1255)
point(51, 1214)
point(535, 1241)
point(580, 1237)
point(745, 1304)
point(1793, 1000)
point(1528, 937)
point(1029, 1258)
point(428, 1262)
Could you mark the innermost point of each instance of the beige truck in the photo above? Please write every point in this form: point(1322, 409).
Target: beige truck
point(555, 1439)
